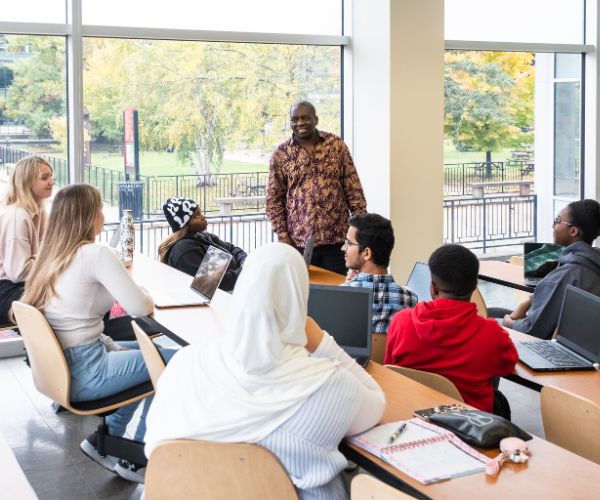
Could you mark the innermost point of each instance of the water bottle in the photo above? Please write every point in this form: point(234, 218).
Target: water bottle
point(127, 241)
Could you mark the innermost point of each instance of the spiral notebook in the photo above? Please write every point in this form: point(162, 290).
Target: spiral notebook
point(422, 450)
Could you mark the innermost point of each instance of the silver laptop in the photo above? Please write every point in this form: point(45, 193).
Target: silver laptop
point(204, 285)
point(308, 250)
point(539, 260)
point(419, 281)
point(345, 313)
point(577, 343)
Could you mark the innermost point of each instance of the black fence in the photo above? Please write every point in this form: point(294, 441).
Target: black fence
point(490, 222)
point(458, 177)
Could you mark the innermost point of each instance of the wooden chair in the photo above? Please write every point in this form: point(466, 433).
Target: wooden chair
point(433, 380)
point(517, 260)
point(52, 378)
point(366, 487)
point(572, 422)
point(378, 343)
point(477, 298)
point(186, 468)
point(154, 361)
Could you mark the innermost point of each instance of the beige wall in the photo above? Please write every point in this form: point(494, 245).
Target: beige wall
point(396, 113)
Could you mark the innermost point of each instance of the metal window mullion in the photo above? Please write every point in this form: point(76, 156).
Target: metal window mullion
point(559, 48)
point(75, 92)
point(16, 28)
point(212, 36)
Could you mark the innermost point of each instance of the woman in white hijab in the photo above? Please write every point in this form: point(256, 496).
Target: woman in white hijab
point(274, 379)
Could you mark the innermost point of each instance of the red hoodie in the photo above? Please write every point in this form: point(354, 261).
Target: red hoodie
point(447, 337)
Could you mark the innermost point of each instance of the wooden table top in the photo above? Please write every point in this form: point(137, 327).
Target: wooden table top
point(552, 472)
point(503, 273)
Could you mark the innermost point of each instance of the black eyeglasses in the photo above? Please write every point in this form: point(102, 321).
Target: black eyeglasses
point(348, 244)
point(557, 221)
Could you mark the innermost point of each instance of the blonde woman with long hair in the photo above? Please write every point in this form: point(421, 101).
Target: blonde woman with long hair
point(22, 224)
point(185, 248)
point(74, 282)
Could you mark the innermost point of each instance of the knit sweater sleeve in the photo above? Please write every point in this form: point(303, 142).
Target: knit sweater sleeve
point(373, 399)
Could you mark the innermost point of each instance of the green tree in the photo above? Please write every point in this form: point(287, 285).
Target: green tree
point(488, 100)
point(37, 92)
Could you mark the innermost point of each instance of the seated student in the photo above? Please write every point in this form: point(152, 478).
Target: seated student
point(447, 337)
point(74, 282)
point(576, 227)
point(185, 248)
point(22, 225)
point(273, 379)
point(368, 246)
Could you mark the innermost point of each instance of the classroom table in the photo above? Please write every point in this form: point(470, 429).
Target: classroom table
point(583, 383)
point(552, 472)
point(503, 273)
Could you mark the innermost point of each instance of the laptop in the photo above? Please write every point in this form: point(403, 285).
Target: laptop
point(577, 343)
point(203, 286)
point(539, 260)
point(345, 313)
point(419, 281)
point(308, 250)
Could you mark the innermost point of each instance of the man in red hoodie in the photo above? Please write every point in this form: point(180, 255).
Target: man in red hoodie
point(446, 336)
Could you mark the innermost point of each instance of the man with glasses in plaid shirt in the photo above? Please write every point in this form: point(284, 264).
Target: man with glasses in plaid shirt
point(367, 247)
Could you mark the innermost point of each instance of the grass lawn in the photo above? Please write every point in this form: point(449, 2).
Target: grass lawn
point(451, 155)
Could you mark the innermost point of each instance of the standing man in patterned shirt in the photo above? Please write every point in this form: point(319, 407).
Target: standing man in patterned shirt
point(313, 189)
point(368, 247)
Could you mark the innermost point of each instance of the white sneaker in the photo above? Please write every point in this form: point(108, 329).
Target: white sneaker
point(89, 446)
point(131, 471)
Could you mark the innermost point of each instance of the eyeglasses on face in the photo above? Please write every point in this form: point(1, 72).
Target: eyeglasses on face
point(557, 221)
point(348, 243)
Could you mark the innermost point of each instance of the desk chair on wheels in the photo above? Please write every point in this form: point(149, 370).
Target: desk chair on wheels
point(52, 378)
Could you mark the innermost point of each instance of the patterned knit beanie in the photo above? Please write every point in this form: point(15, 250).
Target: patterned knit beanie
point(179, 211)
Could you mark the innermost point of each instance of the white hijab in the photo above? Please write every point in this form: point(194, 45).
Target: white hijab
point(249, 381)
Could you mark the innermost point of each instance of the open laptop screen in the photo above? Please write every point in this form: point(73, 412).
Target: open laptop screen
point(578, 323)
point(540, 259)
point(343, 312)
point(419, 281)
point(211, 272)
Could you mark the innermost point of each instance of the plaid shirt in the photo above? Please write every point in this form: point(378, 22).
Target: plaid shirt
point(388, 297)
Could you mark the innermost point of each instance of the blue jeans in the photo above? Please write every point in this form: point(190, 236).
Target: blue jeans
point(97, 373)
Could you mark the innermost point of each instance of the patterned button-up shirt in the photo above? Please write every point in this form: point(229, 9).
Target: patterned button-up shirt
point(313, 193)
point(388, 297)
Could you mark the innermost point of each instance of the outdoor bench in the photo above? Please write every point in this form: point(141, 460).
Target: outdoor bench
point(524, 187)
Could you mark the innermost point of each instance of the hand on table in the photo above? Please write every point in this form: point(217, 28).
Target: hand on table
point(519, 313)
point(314, 334)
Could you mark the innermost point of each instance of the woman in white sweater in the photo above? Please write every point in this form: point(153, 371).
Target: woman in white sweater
point(273, 379)
point(75, 281)
point(22, 225)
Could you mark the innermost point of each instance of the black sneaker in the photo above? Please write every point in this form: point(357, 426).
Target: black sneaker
point(89, 446)
point(131, 471)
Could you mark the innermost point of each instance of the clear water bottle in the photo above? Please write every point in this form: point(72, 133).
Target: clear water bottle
point(127, 241)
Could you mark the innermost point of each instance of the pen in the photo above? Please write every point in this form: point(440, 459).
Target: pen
point(397, 432)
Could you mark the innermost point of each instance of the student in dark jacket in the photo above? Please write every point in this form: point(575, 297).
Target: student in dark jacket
point(185, 248)
point(576, 227)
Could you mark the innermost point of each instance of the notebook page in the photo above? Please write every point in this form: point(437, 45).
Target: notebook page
point(434, 461)
point(377, 438)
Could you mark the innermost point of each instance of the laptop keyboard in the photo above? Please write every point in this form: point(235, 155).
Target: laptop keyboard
point(556, 356)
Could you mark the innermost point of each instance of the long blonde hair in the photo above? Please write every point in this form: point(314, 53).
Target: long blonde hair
point(19, 185)
point(70, 226)
point(169, 241)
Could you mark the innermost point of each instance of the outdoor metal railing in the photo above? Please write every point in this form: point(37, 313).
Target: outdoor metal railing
point(247, 231)
point(458, 177)
point(488, 222)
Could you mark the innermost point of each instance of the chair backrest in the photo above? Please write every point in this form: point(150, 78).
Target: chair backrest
point(477, 298)
point(185, 468)
point(49, 367)
point(433, 380)
point(517, 260)
point(378, 343)
point(152, 358)
point(365, 487)
point(572, 422)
